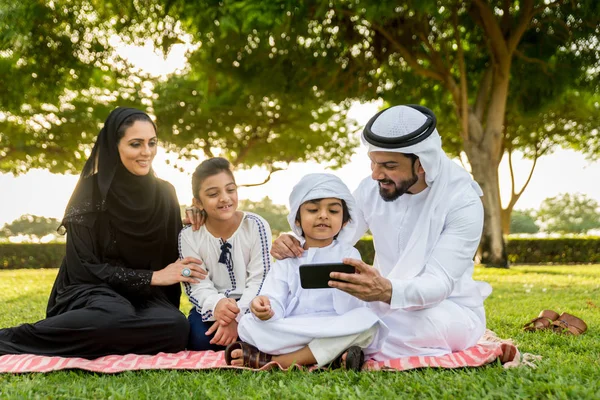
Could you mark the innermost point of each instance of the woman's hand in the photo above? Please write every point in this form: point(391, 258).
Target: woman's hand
point(226, 311)
point(286, 246)
point(195, 217)
point(261, 307)
point(225, 334)
point(177, 272)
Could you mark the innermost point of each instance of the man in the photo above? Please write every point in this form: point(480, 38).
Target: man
point(426, 217)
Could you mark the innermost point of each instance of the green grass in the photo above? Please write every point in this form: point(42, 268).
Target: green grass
point(570, 368)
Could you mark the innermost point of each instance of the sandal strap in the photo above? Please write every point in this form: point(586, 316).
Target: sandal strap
point(542, 321)
point(569, 324)
point(255, 358)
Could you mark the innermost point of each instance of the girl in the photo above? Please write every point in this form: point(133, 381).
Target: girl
point(234, 247)
point(292, 325)
point(117, 290)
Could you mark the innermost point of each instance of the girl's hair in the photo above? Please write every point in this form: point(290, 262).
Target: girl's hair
point(345, 213)
point(207, 168)
point(129, 121)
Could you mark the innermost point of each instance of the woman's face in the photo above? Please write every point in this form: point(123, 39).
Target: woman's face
point(137, 147)
point(218, 196)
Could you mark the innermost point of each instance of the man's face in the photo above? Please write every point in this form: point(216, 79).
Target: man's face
point(395, 172)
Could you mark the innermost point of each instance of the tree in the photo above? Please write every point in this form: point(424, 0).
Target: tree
point(569, 213)
point(275, 214)
point(457, 57)
point(523, 221)
point(502, 76)
point(33, 226)
point(61, 52)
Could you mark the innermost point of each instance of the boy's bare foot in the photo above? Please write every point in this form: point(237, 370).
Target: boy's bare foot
point(237, 357)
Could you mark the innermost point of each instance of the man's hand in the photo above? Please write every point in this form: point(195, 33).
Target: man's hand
point(226, 311)
point(366, 284)
point(225, 334)
point(261, 307)
point(286, 246)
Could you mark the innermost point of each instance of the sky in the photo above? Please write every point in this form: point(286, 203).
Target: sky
point(40, 193)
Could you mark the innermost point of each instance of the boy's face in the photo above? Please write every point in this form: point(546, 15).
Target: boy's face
point(320, 221)
point(218, 196)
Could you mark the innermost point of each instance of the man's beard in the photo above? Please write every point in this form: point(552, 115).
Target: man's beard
point(399, 188)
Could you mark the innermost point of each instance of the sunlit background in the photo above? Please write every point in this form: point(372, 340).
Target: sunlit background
point(40, 193)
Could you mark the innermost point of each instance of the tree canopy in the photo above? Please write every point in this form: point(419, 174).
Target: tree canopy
point(569, 213)
point(275, 214)
point(33, 226)
point(523, 221)
point(271, 81)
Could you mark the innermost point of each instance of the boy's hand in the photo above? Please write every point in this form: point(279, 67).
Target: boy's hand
point(261, 307)
point(226, 334)
point(226, 311)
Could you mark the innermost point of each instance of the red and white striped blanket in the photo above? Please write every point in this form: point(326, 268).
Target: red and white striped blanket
point(488, 349)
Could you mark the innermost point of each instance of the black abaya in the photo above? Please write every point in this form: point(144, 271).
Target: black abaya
point(120, 228)
point(99, 306)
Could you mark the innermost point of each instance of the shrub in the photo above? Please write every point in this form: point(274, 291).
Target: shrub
point(520, 251)
point(583, 250)
point(31, 255)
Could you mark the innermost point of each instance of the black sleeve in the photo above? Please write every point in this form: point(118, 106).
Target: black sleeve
point(84, 266)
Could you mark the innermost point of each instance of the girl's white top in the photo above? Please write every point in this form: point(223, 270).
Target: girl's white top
point(241, 277)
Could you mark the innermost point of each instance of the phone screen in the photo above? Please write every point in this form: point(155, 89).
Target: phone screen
point(316, 276)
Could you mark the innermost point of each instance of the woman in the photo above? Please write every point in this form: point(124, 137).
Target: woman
point(113, 293)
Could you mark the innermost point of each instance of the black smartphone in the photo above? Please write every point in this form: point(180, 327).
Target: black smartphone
point(316, 276)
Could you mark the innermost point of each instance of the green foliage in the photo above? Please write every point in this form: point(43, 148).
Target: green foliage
point(63, 53)
point(29, 255)
point(569, 213)
point(554, 250)
point(569, 368)
point(523, 221)
point(30, 225)
point(270, 82)
point(520, 250)
point(275, 214)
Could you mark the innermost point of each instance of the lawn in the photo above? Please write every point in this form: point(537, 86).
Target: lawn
point(569, 369)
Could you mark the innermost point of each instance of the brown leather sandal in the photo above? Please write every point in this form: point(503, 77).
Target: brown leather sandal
point(543, 321)
point(569, 325)
point(355, 358)
point(251, 356)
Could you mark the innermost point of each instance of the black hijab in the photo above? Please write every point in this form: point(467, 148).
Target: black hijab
point(138, 209)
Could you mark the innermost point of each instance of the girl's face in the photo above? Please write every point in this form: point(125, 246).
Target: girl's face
point(320, 221)
point(218, 196)
point(137, 147)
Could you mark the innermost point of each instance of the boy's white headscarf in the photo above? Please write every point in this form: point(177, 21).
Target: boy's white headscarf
point(445, 178)
point(318, 186)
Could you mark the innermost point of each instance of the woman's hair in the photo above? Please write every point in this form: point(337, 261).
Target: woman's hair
point(129, 121)
point(345, 213)
point(207, 168)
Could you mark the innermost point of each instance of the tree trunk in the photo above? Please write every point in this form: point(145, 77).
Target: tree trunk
point(484, 151)
point(506, 213)
point(485, 172)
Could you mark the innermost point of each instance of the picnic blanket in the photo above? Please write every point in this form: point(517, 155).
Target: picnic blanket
point(489, 349)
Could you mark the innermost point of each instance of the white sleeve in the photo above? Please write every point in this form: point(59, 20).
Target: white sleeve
point(259, 265)
point(342, 301)
point(451, 257)
point(203, 294)
point(277, 289)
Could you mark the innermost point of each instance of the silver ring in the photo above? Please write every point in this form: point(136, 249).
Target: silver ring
point(190, 208)
point(186, 272)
